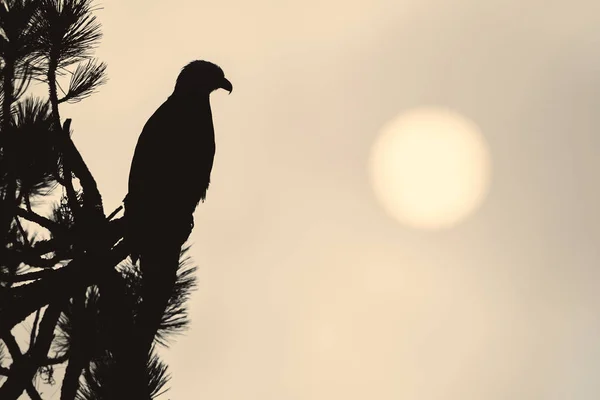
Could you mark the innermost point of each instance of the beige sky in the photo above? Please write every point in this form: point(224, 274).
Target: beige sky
point(307, 289)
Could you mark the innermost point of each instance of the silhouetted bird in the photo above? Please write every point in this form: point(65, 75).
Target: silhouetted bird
point(170, 174)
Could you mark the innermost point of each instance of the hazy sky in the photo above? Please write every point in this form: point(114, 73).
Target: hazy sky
point(307, 289)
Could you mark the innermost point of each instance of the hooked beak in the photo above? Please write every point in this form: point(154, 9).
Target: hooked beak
point(225, 84)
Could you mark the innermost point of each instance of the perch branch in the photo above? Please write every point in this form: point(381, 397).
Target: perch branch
point(22, 300)
point(44, 222)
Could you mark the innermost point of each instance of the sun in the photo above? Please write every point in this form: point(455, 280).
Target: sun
point(430, 168)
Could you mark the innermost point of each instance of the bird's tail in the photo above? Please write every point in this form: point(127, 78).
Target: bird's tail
point(159, 274)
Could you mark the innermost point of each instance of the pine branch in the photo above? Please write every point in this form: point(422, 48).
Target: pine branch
point(32, 256)
point(65, 136)
point(35, 149)
point(53, 227)
point(78, 357)
point(32, 392)
point(69, 30)
point(175, 319)
point(84, 81)
point(58, 360)
point(34, 328)
point(19, 302)
point(90, 187)
point(24, 368)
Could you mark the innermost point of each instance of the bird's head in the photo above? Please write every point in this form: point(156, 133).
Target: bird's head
point(201, 77)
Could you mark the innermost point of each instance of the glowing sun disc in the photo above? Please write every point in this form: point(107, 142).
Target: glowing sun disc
point(430, 168)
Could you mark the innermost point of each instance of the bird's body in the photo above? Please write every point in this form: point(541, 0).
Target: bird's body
point(170, 171)
point(172, 163)
point(169, 176)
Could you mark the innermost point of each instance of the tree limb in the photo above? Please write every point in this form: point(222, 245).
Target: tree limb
point(32, 392)
point(32, 276)
point(44, 222)
point(12, 346)
point(24, 368)
point(81, 170)
point(21, 301)
point(34, 328)
point(78, 358)
point(57, 360)
point(68, 174)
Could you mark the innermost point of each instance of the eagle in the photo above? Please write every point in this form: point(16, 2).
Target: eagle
point(169, 176)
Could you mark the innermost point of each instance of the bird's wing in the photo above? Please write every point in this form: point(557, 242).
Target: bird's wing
point(146, 168)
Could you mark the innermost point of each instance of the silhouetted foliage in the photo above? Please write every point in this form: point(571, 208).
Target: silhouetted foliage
point(63, 266)
point(37, 157)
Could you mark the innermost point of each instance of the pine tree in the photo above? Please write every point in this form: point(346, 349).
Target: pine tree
point(66, 269)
